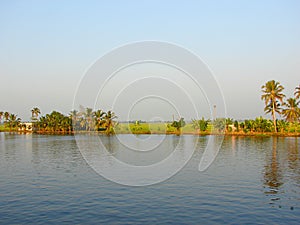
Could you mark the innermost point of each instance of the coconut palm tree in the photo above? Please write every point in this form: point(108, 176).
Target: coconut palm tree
point(99, 119)
point(178, 125)
point(297, 92)
point(109, 121)
point(88, 118)
point(272, 96)
point(1, 115)
point(292, 112)
point(6, 116)
point(200, 125)
point(35, 113)
point(13, 121)
point(74, 116)
point(219, 124)
point(228, 122)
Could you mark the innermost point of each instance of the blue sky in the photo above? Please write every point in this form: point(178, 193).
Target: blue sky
point(47, 46)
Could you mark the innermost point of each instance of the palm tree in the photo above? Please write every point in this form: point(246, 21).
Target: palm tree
point(35, 113)
point(219, 124)
point(74, 117)
point(6, 115)
point(200, 125)
point(88, 118)
point(13, 121)
point(109, 121)
point(292, 112)
point(297, 92)
point(178, 125)
point(272, 94)
point(1, 115)
point(98, 119)
point(228, 122)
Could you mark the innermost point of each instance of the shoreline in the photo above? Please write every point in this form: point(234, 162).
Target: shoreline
point(229, 134)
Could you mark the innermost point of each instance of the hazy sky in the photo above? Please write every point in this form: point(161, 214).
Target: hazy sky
point(47, 46)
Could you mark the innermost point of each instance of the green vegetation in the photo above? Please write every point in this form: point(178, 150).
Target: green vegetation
point(87, 120)
point(273, 96)
point(200, 125)
point(178, 125)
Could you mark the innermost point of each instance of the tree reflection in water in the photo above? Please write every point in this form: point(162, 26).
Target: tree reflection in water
point(273, 173)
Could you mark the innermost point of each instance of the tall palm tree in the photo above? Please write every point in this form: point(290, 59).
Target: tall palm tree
point(99, 118)
point(109, 117)
point(292, 112)
point(35, 113)
point(6, 116)
point(297, 92)
point(74, 116)
point(272, 96)
point(13, 121)
point(1, 115)
point(89, 118)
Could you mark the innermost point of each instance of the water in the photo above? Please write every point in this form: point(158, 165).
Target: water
point(44, 180)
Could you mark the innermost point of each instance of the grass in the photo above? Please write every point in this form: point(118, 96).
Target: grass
point(166, 128)
point(3, 128)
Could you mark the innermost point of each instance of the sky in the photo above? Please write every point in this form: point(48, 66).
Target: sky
point(47, 47)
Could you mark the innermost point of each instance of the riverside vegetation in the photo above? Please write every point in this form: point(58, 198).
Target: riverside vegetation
point(87, 120)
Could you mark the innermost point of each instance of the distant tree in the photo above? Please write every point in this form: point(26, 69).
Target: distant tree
point(262, 125)
point(219, 124)
point(178, 125)
point(6, 116)
point(200, 124)
point(282, 125)
point(13, 121)
point(99, 119)
point(297, 92)
point(1, 115)
point(236, 125)
point(249, 125)
point(89, 118)
point(74, 115)
point(292, 112)
point(109, 121)
point(272, 96)
point(228, 122)
point(35, 113)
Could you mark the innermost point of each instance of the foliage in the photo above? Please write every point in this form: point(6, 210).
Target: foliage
point(297, 92)
point(12, 121)
point(35, 113)
point(219, 124)
point(292, 112)
point(273, 96)
point(200, 124)
point(178, 124)
point(55, 122)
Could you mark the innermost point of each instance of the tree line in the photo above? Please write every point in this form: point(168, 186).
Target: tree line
point(275, 104)
point(87, 119)
point(55, 122)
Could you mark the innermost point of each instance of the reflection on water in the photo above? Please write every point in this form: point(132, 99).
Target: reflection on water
point(44, 179)
point(281, 169)
point(273, 174)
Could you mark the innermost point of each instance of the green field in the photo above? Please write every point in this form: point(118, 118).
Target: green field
point(152, 128)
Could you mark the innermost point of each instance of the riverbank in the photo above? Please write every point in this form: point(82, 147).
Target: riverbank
point(236, 134)
point(158, 129)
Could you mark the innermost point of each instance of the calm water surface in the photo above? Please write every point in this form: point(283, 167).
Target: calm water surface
point(45, 180)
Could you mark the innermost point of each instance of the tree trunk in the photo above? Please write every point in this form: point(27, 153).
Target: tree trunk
point(274, 117)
